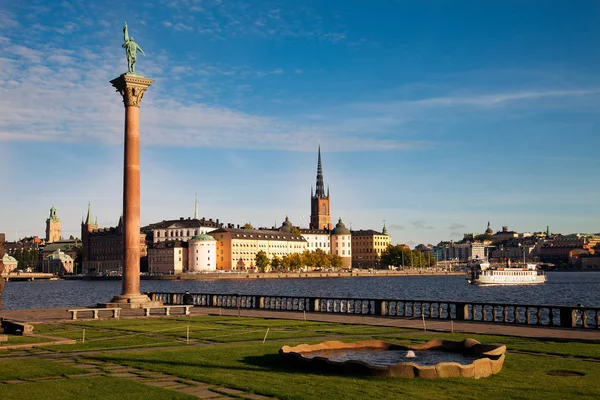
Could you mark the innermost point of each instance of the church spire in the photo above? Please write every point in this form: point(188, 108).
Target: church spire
point(88, 220)
point(196, 207)
point(320, 190)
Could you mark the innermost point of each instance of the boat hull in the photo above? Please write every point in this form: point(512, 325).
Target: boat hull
point(503, 276)
point(477, 282)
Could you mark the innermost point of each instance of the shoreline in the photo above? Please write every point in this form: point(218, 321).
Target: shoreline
point(273, 275)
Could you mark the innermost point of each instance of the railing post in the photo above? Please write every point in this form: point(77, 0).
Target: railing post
point(461, 311)
point(565, 317)
point(379, 305)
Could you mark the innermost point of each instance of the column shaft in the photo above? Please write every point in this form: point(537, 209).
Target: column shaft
point(131, 203)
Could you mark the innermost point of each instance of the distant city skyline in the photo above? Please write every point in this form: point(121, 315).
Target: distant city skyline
point(436, 117)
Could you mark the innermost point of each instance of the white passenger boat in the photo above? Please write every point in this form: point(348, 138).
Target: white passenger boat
point(482, 273)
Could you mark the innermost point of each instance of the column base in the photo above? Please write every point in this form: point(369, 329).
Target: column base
point(130, 301)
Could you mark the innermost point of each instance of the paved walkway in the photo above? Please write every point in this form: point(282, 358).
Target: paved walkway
point(61, 314)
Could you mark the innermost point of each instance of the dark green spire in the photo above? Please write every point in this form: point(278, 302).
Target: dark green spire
point(89, 219)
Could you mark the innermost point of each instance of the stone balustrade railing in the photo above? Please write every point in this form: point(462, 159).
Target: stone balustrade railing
point(540, 315)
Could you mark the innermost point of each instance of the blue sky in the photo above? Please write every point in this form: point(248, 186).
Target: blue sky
point(435, 116)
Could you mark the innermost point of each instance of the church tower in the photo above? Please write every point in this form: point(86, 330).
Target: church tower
point(319, 202)
point(87, 228)
point(52, 226)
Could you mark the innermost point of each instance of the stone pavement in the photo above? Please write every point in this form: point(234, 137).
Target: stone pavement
point(94, 368)
point(61, 314)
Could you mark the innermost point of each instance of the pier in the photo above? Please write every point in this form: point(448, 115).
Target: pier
point(28, 276)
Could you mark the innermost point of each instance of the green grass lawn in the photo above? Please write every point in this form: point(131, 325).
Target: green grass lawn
point(215, 357)
point(88, 388)
point(17, 339)
point(33, 368)
point(258, 368)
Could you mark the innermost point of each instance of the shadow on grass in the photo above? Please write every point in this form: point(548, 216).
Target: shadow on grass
point(267, 362)
point(320, 367)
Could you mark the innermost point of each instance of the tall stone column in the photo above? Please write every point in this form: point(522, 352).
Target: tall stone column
point(132, 88)
point(1, 269)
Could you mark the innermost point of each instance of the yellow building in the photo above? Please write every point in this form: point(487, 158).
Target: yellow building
point(237, 248)
point(367, 247)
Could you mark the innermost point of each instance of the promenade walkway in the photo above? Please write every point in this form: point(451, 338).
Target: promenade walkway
point(588, 335)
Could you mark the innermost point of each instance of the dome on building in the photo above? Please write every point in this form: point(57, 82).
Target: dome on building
point(340, 229)
point(8, 259)
point(489, 229)
point(286, 226)
point(60, 255)
point(201, 237)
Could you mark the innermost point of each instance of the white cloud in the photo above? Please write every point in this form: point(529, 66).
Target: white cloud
point(65, 97)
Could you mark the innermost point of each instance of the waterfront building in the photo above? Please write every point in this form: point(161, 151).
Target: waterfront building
point(10, 263)
point(168, 257)
point(70, 247)
point(516, 250)
point(202, 253)
point(87, 227)
point(462, 252)
point(341, 243)
point(52, 226)
point(367, 247)
point(58, 263)
point(237, 248)
point(317, 239)
point(28, 243)
point(180, 229)
point(320, 217)
point(589, 262)
point(103, 248)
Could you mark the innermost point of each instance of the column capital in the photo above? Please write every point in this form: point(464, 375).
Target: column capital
point(132, 88)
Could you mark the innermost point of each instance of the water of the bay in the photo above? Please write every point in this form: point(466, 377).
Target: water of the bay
point(562, 288)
